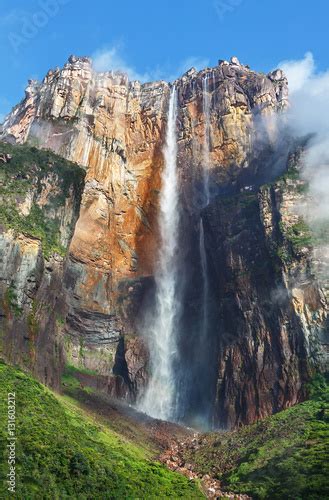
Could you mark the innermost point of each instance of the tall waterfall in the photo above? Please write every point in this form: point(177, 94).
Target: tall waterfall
point(205, 284)
point(206, 143)
point(206, 197)
point(159, 400)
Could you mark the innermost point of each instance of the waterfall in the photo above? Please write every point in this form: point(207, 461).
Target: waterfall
point(159, 400)
point(206, 195)
point(205, 284)
point(206, 142)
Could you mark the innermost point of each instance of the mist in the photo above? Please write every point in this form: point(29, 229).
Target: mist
point(309, 115)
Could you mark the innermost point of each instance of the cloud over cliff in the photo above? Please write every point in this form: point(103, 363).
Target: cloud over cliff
point(111, 59)
point(309, 114)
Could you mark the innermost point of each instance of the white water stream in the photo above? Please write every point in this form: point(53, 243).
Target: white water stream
point(206, 104)
point(159, 400)
point(206, 197)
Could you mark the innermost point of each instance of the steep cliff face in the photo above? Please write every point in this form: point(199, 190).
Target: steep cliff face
point(39, 205)
point(271, 308)
point(115, 129)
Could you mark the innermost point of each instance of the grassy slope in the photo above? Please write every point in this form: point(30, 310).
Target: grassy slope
point(94, 403)
point(62, 453)
point(285, 456)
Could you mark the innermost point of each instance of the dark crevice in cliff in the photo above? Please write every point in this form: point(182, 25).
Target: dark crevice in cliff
point(120, 367)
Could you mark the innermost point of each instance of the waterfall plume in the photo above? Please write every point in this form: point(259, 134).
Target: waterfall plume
point(206, 196)
point(159, 400)
point(206, 143)
point(205, 284)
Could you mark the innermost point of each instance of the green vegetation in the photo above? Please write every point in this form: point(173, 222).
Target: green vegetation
point(28, 160)
point(292, 174)
point(291, 179)
point(284, 254)
point(11, 301)
point(108, 412)
point(248, 200)
point(32, 322)
point(72, 371)
point(28, 171)
point(319, 388)
point(60, 321)
point(299, 235)
point(70, 380)
point(64, 454)
point(242, 200)
point(285, 456)
point(36, 225)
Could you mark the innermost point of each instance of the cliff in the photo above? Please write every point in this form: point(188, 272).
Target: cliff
point(40, 197)
point(271, 306)
point(115, 130)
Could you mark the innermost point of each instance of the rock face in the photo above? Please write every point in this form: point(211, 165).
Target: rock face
point(271, 311)
point(40, 197)
point(115, 129)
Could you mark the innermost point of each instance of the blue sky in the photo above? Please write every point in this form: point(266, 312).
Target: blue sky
point(155, 39)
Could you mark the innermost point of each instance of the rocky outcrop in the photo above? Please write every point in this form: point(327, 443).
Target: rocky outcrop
point(272, 312)
point(40, 198)
point(115, 129)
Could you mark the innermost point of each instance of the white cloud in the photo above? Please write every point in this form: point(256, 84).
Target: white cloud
point(298, 72)
point(309, 114)
point(309, 96)
point(193, 62)
point(110, 59)
point(5, 108)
